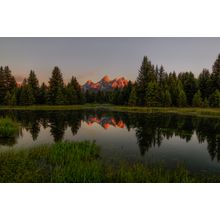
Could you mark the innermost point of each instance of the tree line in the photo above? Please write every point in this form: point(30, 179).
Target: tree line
point(31, 93)
point(153, 87)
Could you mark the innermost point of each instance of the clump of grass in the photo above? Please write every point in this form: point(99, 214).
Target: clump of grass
point(8, 127)
point(60, 162)
point(139, 173)
point(75, 162)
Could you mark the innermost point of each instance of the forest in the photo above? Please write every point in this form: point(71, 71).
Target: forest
point(154, 87)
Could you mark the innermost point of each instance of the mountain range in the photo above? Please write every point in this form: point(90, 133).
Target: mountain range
point(105, 84)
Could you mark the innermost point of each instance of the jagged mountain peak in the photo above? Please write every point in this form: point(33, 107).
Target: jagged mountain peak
point(105, 84)
point(105, 78)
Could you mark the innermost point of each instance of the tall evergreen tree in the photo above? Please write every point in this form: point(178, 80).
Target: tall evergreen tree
point(59, 97)
point(216, 65)
point(13, 99)
point(7, 83)
point(80, 95)
point(189, 85)
point(152, 94)
point(157, 73)
point(10, 82)
point(126, 91)
point(215, 76)
point(214, 99)
point(34, 86)
point(182, 100)
point(43, 94)
point(7, 98)
point(26, 95)
point(146, 75)
point(204, 83)
point(166, 99)
point(197, 99)
point(161, 75)
point(133, 97)
point(71, 93)
point(56, 87)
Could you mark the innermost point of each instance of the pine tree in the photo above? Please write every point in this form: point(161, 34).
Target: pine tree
point(7, 83)
point(174, 86)
point(214, 99)
point(43, 94)
point(10, 99)
point(216, 65)
point(26, 96)
point(133, 97)
point(126, 91)
point(34, 86)
point(197, 99)
point(157, 73)
point(7, 98)
point(152, 94)
point(13, 100)
point(59, 97)
point(161, 75)
point(204, 83)
point(166, 99)
point(146, 75)
point(10, 82)
point(79, 94)
point(182, 102)
point(71, 93)
point(189, 85)
point(56, 87)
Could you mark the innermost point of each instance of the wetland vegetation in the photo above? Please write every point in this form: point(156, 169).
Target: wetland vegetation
point(66, 162)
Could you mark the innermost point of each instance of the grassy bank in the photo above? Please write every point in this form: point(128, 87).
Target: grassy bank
point(211, 112)
point(8, 127)
point(81, 162)
point(54, 107)
point(184, 111)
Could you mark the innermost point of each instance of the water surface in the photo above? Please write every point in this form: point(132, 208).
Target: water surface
point(148, 138)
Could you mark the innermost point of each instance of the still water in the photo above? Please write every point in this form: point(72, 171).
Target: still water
point(148, 138)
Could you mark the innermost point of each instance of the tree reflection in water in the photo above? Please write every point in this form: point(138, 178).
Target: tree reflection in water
point(150, 129)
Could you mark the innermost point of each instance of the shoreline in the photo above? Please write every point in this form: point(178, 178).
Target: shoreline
point(211, 112)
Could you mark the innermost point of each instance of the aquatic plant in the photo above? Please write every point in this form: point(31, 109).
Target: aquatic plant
point(8, 127)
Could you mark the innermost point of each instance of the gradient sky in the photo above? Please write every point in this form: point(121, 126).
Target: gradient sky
point(92, 58)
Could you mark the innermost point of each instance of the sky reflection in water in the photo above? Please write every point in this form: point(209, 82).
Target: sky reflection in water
point(166, 138)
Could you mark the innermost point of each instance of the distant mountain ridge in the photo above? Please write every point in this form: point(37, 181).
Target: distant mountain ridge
point(105, 84)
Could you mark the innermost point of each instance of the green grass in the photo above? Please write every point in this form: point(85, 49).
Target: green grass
point(211, 112)
point(54, 107)
point(8, 127)
point(67, 162)
point(215, 112)
point(60, 162)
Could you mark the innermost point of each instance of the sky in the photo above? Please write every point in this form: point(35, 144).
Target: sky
point(92, 58)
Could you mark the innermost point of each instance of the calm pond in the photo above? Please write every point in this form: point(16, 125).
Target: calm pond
point(148, 138)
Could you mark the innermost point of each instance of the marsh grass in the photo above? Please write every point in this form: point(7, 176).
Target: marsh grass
point(208, 112)
point(79, 162)
point(60, 162)
point(139, 173)
point(8, 127)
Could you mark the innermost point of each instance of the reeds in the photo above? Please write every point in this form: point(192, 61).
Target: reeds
point(8, 127)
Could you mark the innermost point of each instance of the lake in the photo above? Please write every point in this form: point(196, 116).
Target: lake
point(148, 138)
